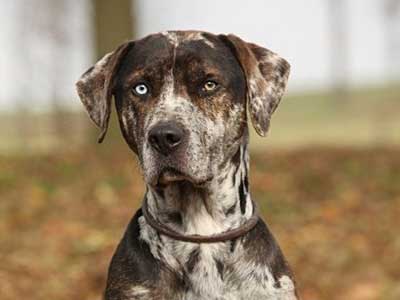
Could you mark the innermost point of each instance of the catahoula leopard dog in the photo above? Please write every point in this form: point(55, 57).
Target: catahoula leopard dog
point(182, 99)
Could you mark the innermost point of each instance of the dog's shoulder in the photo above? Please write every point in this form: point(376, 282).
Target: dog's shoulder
point(132, 264)
point(262, 267)
point(262, 248)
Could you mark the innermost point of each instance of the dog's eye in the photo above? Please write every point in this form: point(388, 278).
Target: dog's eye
point(210, 86)
point(140, 89)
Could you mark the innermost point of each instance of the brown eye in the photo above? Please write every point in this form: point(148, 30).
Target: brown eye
point(210, 86)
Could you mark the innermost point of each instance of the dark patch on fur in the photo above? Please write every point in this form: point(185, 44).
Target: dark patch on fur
point(236, 158)
point(261, 247)
point(175, 217)
point(220, 267)
point(193, 259)
point(160, 193)
point(277, 283)
point(236, 162)
point(231, 210)
point(233, 245)
point(242, 197)
point(283, 68)
point(132, 262)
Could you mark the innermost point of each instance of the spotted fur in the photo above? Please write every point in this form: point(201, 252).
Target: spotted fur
point(267, 75)
point(212, 194)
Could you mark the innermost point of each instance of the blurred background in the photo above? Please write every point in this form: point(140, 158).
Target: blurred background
point(327, 179)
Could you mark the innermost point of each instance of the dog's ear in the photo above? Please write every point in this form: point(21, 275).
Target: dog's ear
point(95, 87)
point(266, 76)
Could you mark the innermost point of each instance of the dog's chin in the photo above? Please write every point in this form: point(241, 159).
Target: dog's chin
point(170, 176)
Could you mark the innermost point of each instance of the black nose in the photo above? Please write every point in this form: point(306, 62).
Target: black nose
point(166, 137)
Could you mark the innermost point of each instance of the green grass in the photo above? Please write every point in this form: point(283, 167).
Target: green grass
point(366, 117)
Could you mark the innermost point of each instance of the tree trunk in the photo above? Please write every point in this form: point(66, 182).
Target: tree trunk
point(113, 24)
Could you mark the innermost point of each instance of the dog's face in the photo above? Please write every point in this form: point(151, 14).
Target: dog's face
point(181, 99)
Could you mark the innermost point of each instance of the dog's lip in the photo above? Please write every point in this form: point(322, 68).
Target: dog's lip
point(172, 175)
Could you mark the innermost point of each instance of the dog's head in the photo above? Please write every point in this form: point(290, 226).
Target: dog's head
point(181, 99)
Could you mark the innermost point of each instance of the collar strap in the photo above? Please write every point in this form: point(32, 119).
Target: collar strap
point(196, 238)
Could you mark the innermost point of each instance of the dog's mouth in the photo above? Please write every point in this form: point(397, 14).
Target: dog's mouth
point(171, 175)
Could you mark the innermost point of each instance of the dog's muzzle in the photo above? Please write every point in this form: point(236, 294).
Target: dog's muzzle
point(168, 140)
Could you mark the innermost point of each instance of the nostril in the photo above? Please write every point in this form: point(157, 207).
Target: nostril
point(172, 138)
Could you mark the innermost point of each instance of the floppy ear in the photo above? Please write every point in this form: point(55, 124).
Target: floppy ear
point(95, 87)
point(266, 76)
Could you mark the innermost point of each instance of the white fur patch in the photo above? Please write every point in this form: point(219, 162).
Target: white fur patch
point(198, 36)
point(258, 283)
point(172, 37)
point(175, 39)
point(138, 293)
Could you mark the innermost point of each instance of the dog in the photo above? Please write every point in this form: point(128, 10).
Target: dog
point(182, 99)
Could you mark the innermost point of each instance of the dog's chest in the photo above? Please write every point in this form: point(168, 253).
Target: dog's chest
point(233, 279)
point(204, 269)
point(216, 272)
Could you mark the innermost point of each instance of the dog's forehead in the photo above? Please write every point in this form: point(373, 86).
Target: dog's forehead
point(177, 38)
point(149, 50)
point(162, 50)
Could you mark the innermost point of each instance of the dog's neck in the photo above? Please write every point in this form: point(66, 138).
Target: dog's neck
point(223, 203)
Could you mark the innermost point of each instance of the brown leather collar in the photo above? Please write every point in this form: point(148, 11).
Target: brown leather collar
point(195, 238)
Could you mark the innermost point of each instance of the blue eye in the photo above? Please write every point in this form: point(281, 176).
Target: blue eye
point(141, 89)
